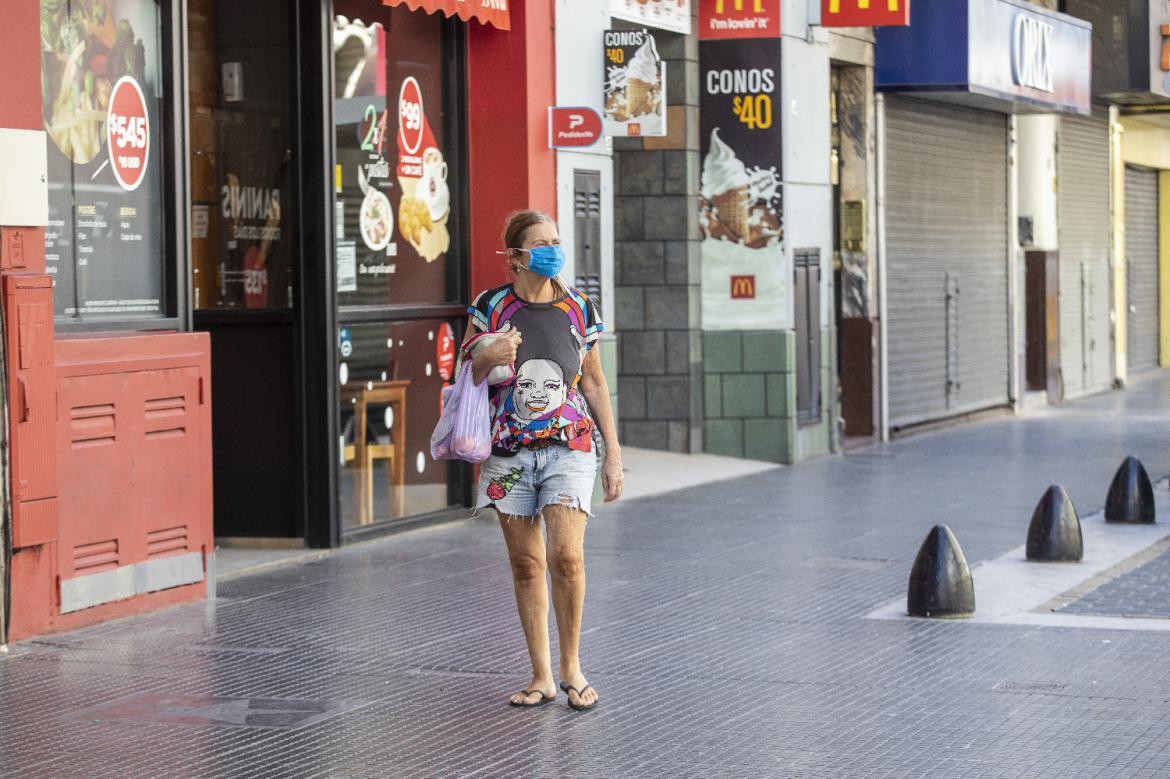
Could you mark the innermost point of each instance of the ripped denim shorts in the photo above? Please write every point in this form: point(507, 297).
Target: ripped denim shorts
point(523, 484)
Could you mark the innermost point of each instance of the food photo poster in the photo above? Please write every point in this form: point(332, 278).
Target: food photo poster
point(635, 85)
point(101, 93)
point(392, 197)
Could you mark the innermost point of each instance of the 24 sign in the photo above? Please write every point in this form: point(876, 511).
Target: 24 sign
point(865, 13)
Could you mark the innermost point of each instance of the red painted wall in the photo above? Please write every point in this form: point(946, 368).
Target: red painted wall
point(20, 62)
point(511, 83)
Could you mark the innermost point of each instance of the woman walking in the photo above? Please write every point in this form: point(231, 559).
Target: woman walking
point(548, 393)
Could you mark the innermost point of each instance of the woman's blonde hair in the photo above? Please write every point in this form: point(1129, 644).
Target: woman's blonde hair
point(517, 226)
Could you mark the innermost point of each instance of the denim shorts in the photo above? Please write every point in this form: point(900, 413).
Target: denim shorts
point(523, 484)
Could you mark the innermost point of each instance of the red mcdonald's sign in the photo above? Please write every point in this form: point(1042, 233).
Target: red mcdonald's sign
point(739, 19)
point(493, 12)
point(865, 13)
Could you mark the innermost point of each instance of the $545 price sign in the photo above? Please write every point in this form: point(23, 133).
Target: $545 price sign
point(129, 131)
point(753, 110)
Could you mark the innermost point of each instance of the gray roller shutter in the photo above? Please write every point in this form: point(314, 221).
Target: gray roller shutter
point(1083, 233)
point(947, 256)
point(1141, 267)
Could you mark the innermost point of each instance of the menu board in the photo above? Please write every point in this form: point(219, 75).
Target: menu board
point(102, 106)
point(393, 200)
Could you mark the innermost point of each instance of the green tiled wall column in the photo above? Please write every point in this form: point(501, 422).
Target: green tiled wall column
point(749, 397)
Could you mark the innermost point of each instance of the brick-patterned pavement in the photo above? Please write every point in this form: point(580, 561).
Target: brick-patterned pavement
point(724, 630)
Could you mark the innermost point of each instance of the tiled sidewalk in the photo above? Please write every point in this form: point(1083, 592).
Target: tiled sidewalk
point(724, 630)
point(1142, 592)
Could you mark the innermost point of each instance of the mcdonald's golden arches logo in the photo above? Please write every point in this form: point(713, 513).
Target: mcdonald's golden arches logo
point(865, 13)
point(743, 287)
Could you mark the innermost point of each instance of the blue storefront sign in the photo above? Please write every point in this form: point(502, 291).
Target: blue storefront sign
point(1003, 55)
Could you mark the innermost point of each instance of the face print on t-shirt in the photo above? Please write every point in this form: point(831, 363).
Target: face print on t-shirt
point(540, 388)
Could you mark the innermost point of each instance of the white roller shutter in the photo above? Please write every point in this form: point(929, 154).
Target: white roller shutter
point(1141, 267)
point(947, 258)
point(1083, 213)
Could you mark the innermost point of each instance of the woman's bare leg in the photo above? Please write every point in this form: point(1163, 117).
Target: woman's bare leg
point(566, 557)
point(526, 554)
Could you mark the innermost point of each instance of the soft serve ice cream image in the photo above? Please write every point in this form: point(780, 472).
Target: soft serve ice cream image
point(643, 88)
point(739, 205)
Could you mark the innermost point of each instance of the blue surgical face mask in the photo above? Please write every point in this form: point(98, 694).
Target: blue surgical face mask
point(546, 261)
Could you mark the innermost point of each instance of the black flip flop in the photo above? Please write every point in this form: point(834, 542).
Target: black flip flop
point(544, 699)
point(580, 694)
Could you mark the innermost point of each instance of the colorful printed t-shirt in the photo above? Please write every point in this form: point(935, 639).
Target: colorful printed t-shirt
point(543, 401)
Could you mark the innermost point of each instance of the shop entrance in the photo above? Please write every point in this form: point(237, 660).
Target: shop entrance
point(245, 255)
point(848, 110)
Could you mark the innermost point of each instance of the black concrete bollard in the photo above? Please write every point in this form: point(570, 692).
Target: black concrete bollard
point(1055, 532)
point(940, 582)
point(1131, 497)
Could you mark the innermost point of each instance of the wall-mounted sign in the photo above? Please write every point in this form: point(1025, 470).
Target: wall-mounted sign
point(1031, 45)
point(635, 84)
point(739, 19)
point(865, 13)
point(673, 15)
point(573, 126)
point(744, 284)
point(998, 54)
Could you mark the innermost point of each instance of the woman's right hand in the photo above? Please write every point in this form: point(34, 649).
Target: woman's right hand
point(501, 351)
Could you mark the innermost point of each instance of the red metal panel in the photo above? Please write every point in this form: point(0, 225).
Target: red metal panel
point(96, 490)
point(33, 522)
point(28, 302)
point(135, 451)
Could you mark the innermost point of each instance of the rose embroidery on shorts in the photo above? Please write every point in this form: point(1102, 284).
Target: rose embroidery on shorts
point(501, 485)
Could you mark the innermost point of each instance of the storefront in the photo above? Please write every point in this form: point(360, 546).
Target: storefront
point(948, 222)
point(295, 197)
point(1084, 227)
point(1135, 77)
point(1143, 337)
point(336, 218)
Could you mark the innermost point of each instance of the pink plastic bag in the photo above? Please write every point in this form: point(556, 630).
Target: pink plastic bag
point(464, 428)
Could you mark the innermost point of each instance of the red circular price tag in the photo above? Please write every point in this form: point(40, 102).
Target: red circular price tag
point(128, 133)
point(410, 116)
point(445, 349)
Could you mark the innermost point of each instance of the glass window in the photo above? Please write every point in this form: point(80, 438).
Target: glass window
point(240, 154)
point(393, 179)
point(102, 96)
point(390, 376)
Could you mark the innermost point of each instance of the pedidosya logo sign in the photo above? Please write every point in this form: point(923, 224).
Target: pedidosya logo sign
point(129, 133)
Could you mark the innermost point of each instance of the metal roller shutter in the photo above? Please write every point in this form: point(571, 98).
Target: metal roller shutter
point(1083, 212)
point(946, 249)
point(1141, 267)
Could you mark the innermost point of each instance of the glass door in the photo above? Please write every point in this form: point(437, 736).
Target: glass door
point(400, 264)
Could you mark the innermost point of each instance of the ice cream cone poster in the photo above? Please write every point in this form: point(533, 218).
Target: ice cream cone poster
point(635, 84)
point(673, 15)
point(425, 203)
point(744, 283)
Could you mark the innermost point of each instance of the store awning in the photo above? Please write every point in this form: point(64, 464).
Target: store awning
point(493, 12)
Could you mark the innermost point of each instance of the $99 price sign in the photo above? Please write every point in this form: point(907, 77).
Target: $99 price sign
point(128, 133)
